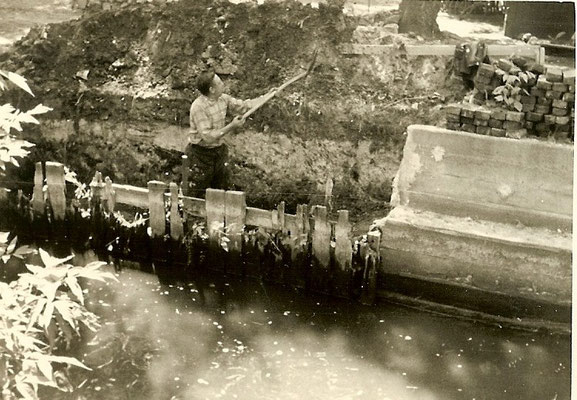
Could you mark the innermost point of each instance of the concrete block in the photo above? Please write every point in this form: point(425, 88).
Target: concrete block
point(534, 116)
point(483, 130)
point(453, 109)
point(512, 125)
point(455, 126)
point(514, 116)
point(553, 95)
point(560, 103)
point(495, 123)
point(543, 128)
point(549, 119)
point(569, 77)
point(528, 107)
point(517, 133)
point(468, 112)
point(469, 128)
point(499, 114)
point(542, 108)
point(483, 114)
point(529, 125)
point(571, 88)
point(543, 83)
point(544, 100)
point(562, 120)
point(505, 64)
point(536, 68)
point(569, 97)
point(467, 120)
point(528, 100)
point(498, 132)
point(481, 122)
point(554, 74)
point(559, 111)
point(560, 87)
point(452, 118)
point(535, 91)
point(486, 70)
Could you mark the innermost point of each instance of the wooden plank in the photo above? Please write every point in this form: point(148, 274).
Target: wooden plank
point(109, 195)
point(38, 193)
point(343, 245)
point(343, 271)
point(56, 189)
point(321, 237)
point(258, 217)
point(194, 206)
point(235, 216)
point(157, 214)
point(215, 218)
point(176, 226)
point(131, 195)
point(438, 50)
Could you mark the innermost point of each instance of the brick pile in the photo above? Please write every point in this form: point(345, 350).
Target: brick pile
point(547, 104)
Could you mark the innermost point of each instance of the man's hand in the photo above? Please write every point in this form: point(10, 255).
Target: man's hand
point(237, 122)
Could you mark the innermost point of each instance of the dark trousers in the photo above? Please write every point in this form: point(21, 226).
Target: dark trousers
point(208, 169)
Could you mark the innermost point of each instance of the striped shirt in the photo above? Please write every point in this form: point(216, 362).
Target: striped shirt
point(207, 115)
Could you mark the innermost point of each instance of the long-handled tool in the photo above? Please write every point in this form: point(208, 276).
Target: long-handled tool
point(264, 99)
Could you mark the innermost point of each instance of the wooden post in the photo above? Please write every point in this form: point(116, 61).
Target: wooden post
point(56, 188)
point(541, 56)
point(329, 193)
point(176, 228)
point(185, 174)
point(321, 246)
point(156, 208)
point(109, 196)
point(321, 237)
point(343, 254)
point(235, 218)
point(372, 259)
point(215, 215)
point(38, 193)
point(96, 186)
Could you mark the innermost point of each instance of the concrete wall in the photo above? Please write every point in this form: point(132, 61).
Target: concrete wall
point(490, 178)
point(484, 212)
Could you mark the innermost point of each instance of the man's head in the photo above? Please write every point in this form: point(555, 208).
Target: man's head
point(209, 84)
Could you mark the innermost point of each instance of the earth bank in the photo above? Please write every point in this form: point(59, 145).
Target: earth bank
point(121, 83)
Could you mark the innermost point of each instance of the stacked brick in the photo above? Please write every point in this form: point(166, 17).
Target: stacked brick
point(545, 108)
point(486, 121)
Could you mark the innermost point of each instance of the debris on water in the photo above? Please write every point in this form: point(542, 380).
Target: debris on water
point(408, 338)
point(202, 381)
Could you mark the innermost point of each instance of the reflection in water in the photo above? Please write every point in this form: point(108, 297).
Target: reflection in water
point(246, 341)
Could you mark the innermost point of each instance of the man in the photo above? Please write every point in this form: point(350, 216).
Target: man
point(207, 150)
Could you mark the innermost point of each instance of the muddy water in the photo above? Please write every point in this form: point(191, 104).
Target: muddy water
point(225, 340)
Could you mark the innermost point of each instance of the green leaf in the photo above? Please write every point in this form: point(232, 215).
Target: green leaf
point(75, 288)
point(50, 261)
point(36, 313)
point(46, 368)
point(47, 316)
point(18, 80)
point(39, 109)
point(68, 360)
point(26, 390)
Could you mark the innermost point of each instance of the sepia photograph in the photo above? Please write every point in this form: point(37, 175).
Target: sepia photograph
point(286, 199)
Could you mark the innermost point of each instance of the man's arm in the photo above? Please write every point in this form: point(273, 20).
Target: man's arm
point(199, 119)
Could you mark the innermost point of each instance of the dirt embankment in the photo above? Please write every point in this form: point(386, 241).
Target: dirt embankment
point(136, 67)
